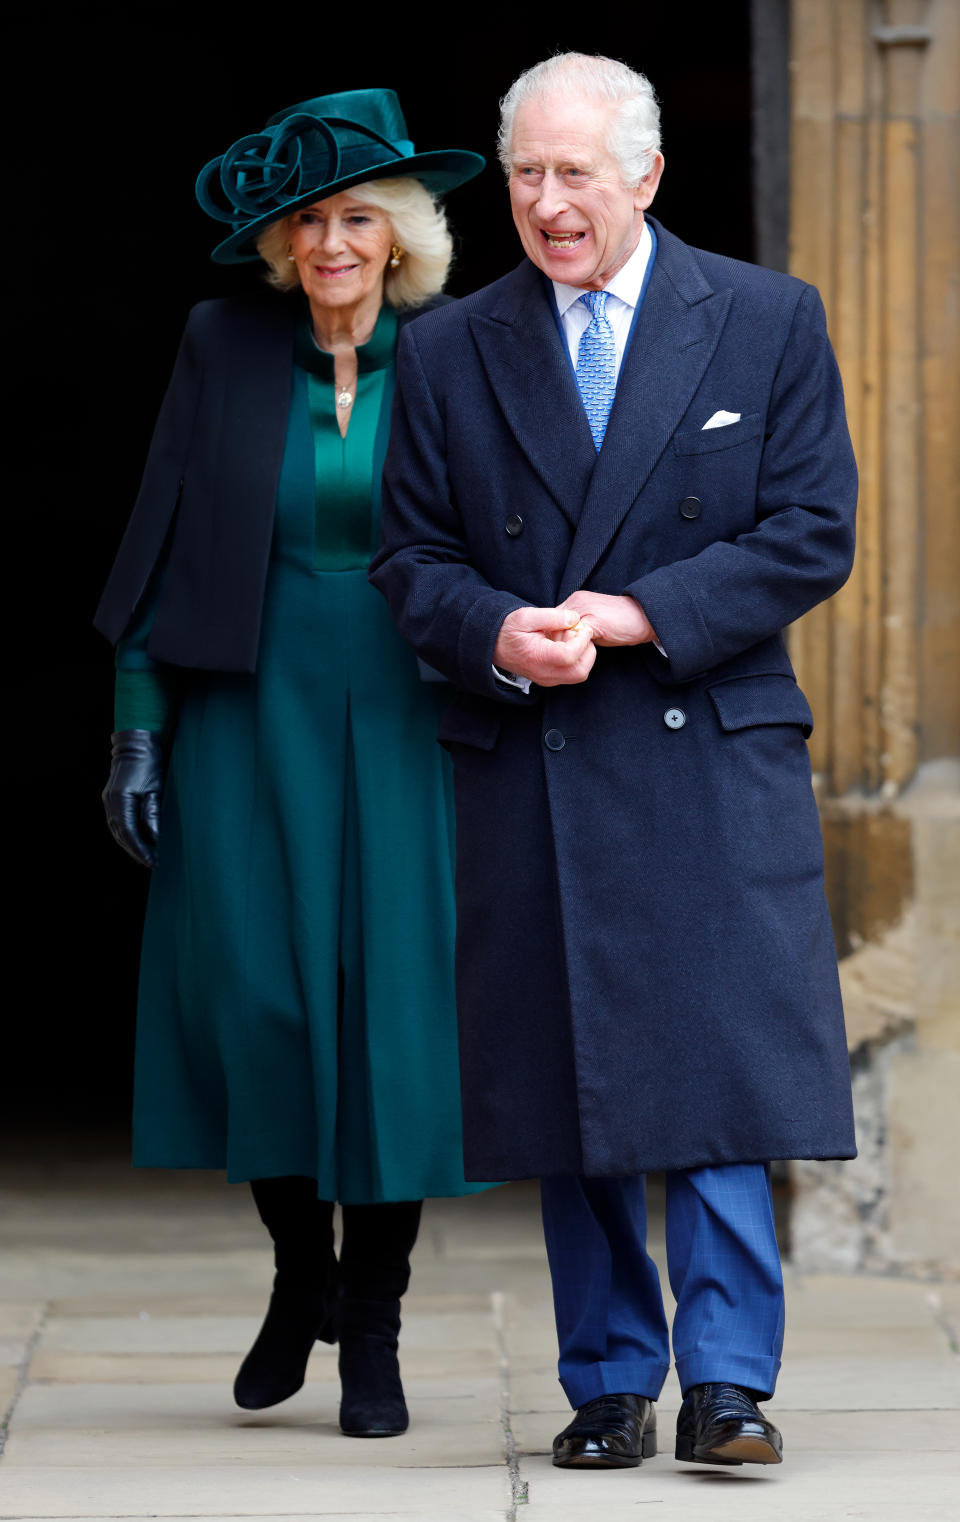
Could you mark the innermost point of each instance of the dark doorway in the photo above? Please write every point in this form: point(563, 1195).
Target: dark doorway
point(112, 111)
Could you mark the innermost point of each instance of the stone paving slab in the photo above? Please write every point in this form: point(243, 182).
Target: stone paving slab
point(149, 1334)
point(543, 1364)
point(870, 1384)
point(210, 1368)
point(434, 1334)
point(713, 1508)
point(9, 1379)
point(433, 1443)
point(217, 1490)
point(253, 1303)
point(66, 1408)
point(132, 1369)
point(99, 1277)
point(830, 1485)
point(898, 1342)
point(12, 1351)
point(54, 1273)
point(538, 1392)
point(527, 1277)
point(20, 1318)
point(531, 1337)
point(828, 1300)
point(61, 1425)
point(945, 1302)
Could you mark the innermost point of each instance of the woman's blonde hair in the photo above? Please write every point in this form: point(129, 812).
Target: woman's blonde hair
point(419, 226)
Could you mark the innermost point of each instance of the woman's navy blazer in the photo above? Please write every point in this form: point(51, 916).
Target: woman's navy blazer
point(208, 496)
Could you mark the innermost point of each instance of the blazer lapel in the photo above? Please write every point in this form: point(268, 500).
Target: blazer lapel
point(530, 374)
point(674, 339)
point(256, 408)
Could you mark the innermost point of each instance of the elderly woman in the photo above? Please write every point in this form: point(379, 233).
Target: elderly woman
point(296, 1014)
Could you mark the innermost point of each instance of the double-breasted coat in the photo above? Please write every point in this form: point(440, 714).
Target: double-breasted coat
point(646, 969)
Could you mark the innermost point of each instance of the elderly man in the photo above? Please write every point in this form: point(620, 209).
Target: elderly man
point(614, 477)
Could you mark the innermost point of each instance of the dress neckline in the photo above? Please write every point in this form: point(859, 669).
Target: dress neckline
point(376, 354)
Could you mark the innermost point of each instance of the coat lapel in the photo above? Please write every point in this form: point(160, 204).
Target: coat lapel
point(674, 339)
point(530, 374)
point(256, 405)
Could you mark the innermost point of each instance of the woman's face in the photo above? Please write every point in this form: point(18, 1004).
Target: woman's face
point(341, 246)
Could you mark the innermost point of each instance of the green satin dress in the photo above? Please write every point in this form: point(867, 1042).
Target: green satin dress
point(296, 1010)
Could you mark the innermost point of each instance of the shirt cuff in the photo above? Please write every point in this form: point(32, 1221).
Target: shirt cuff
point(510, 679)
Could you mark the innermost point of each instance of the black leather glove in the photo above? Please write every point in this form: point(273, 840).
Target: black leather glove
point(131, 797)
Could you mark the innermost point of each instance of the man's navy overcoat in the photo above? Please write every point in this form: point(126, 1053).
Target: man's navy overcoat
point(646, 970)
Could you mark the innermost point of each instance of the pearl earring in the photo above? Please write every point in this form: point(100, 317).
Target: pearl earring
point(291, 256)
point(396, 254)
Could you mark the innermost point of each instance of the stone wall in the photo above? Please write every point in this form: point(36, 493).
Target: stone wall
point(875, 224)
point(897, 1206)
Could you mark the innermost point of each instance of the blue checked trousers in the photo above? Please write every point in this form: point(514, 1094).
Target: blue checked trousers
point(724, 1268)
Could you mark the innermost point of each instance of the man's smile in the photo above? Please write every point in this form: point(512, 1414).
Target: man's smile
point(560, 240)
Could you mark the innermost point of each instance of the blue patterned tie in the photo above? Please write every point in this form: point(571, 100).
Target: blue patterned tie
point(597, 365)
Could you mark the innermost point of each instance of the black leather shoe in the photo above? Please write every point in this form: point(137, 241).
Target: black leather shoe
point(720, 1424)
point(276, 1365)
point(611, 1432)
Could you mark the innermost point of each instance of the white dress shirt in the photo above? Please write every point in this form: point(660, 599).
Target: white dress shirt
point(623, 293)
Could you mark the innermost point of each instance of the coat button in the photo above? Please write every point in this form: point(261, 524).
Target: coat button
point(691, 507)
point(674, 718)
point(514, 525)
point(554, 740)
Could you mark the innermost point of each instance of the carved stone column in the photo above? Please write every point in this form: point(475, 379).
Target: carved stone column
point(875, 224)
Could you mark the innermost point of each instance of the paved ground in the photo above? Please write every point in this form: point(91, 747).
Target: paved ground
point(126, 1301)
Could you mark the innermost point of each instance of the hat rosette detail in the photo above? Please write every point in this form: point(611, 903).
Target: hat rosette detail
point(311, 151)
point(264, 172)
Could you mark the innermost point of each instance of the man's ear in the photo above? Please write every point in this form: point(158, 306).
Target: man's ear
point(647, 189)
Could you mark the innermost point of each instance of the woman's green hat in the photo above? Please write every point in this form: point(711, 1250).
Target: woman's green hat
point(313, 150)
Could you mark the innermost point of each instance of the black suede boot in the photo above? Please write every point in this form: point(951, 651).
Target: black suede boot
point(303, 1304)
point(375, 1272)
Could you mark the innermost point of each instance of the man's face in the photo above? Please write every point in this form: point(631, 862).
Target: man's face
point(577, 220)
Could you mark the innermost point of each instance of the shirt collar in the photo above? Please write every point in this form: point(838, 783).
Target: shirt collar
point(626, 283)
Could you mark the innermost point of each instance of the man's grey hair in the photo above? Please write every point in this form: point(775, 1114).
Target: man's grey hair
point(633, 137)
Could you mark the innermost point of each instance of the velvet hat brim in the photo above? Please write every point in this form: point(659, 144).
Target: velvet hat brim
point(439, 172)
point(314, 150)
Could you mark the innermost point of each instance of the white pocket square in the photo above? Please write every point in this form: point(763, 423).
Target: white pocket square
point(720, 420)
